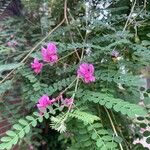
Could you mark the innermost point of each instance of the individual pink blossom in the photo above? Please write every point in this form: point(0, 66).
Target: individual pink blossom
point(49, 54)
point(15, 43)
point(115, 53)
point(36, 65)
point(68, 101)
point(43, 102)
point(86, 72)
point(12, 36)
point(9, 44)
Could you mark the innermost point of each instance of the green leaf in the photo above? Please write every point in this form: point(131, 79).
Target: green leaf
point(2, 146)
point(118, 139)
point(40, 119)
point(87, 143)
point(17, 127)
point(99, 142)
point(107, 138)
point(36, 114)
point(87, 118)
point(7, 67)
point(15, 140)
point(11, 133)
point(23, 122)
point(5, 86)
point(34, 123)
point(30, 118)
point(27, 129)
point(46, 115)
point(51, 110)
point(111, 145)
point(21, 134)
point(117, 104)
point(94, 136)
point(5, 139)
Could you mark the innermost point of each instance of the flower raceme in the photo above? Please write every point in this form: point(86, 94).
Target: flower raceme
point(37, 66)
point(86, 72)
point(43, 102)
point(49, 54)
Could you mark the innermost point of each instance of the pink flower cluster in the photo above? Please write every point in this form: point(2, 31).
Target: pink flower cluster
point(12, 43)
point(86, 72)
point(45, 101)
point(49, 55)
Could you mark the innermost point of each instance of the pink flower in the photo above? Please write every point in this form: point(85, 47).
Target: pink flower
point(115, 53)
point(86, 72)
point(43, 102)
point(36, 65)
point(9, 44)
point(68, 101)
point(50, 53)
point(15, 42)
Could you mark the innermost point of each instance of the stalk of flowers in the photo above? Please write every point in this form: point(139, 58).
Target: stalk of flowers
point(45, 101)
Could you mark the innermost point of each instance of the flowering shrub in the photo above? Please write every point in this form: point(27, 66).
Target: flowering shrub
point(86, 84)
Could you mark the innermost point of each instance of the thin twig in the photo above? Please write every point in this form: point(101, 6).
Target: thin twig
point(113, 127)
point(125, 141)
point(66, 55)
point(75, 26)
point(144, 7)
point(69, 86)
point(66, 18)
point(132, 9)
